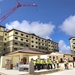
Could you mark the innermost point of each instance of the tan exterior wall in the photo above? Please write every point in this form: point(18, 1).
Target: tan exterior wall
point(15, 58)
point(1, 33)
point(1, 28)
point(61, 55)
point(72, 45)
point(34, 42)
point(10, 38)
point(30, 39)
point(23, 40)
point(3, 59)
point(56, 56)
point(5, 36)
point(11, 33)
point(1, 40)
point(70, 57)
point(18, 56)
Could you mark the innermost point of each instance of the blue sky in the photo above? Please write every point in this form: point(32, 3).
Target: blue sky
point(53, 19)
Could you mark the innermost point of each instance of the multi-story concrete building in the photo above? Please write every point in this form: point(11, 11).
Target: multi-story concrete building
point(1, 39)
point(12, 40)
point(72, 44)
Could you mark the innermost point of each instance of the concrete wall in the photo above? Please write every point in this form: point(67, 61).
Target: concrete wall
point(72, 45)
point(54, 55)
point(24, 40)
point(3, 59)
point(14, 59)
point(70, 65)
point(61, 55)
point(18, 56)
point(70, 57)
point(1, 41)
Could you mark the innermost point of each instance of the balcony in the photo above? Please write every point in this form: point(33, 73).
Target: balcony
point(73, 45)
point(73, 41)
point(74, 49)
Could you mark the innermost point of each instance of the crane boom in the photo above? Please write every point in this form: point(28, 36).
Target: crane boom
point(9, 13)
point(14, 9)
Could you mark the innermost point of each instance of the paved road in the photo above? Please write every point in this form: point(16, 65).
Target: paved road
point(65, 72)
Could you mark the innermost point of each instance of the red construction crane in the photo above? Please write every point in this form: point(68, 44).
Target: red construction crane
point(14, 9)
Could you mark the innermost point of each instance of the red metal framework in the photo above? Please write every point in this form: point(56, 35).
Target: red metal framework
point(14, 9)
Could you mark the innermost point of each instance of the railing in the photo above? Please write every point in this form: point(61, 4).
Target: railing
point(23, 66)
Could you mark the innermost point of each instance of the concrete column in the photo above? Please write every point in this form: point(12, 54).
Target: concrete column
point(27, 59)
point(21, 56)
point(2, 65)
point(31, 68)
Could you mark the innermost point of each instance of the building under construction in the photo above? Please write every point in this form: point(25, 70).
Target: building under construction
point(13, 40)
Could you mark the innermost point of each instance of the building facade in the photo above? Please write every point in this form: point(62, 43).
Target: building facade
point(1, 39)
point(72, 44)
point(61, 56)
point(12, 40)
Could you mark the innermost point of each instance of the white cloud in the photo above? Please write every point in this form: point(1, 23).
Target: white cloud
point(40, 29)
point(63, 47)
point(68, 26)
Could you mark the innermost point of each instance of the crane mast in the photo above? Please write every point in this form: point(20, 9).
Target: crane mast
point(14, 9)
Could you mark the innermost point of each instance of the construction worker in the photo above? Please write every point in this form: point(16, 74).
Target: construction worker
point(38, 63)
point(34, 62)
point(54, 63)
point(50, 63)
point(66, 63)
point(41, 63)
point(44, 63)
point(48, 67)
point(57, 63)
